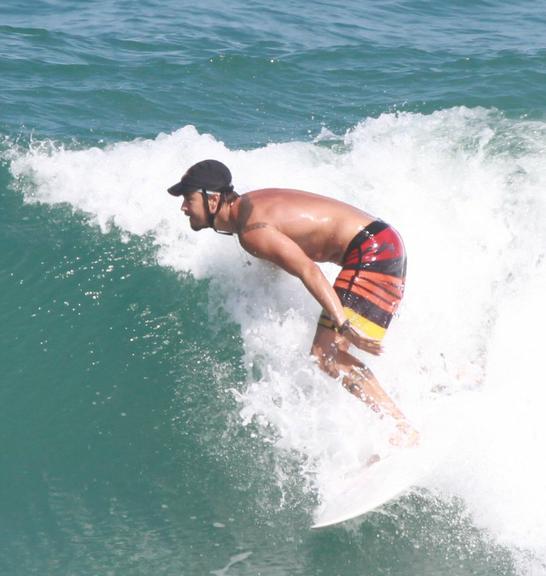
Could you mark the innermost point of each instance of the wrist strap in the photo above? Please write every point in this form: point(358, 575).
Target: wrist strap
point(344, 327)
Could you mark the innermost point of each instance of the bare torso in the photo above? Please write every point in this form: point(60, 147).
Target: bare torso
point(322, 227)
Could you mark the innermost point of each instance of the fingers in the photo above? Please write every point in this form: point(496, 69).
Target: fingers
point(368, 345)
point(364, 343)
point(374, 347)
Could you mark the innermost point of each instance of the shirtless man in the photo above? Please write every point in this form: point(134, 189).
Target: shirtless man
point(294, 230)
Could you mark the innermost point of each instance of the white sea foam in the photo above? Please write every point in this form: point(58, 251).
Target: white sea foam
point(466, 190)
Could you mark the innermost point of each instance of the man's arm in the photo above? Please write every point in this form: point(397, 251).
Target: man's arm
point(270, 244)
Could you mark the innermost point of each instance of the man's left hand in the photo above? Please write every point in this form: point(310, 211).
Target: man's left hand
point(357, 338)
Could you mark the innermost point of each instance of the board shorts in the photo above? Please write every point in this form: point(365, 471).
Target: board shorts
point(371, 283)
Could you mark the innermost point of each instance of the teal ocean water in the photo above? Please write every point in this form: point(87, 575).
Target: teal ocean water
point(159, 413)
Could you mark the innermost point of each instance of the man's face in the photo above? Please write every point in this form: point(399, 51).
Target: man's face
point(194, 207)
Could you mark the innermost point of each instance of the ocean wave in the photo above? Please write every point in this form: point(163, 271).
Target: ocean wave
point(465, 188)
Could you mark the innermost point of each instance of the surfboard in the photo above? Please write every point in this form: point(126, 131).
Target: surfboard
point(372, 487)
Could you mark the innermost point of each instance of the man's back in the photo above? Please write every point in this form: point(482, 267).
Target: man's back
point(295, 229)
point(321, 226)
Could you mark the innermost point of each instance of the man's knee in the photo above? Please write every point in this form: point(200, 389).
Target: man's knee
point(330, 350)
point(335, 362)
point(349, 361)
point(326, 360)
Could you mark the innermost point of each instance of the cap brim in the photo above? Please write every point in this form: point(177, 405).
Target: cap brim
point(178, 189)
point(183, 188)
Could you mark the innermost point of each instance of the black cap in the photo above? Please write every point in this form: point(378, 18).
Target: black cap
point(207, 174)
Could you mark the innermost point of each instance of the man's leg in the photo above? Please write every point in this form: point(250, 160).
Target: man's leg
point(330, 349)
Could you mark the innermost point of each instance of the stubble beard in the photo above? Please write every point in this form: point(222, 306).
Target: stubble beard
point(197, 227)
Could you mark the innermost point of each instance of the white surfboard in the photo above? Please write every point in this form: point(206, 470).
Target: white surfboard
point(372, 487)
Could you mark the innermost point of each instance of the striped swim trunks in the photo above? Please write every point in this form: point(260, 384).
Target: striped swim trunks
point(371, 282)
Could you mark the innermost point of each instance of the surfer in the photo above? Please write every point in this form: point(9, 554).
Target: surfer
point(294, 230)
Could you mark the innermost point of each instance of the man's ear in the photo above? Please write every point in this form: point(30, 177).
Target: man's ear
point(213, 199)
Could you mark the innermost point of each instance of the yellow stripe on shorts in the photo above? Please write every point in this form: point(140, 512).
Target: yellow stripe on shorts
point(369, 328)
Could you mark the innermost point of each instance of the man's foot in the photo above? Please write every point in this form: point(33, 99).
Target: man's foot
point(405, 436)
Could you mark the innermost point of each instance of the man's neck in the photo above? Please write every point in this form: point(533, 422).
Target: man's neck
point(226, 219)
